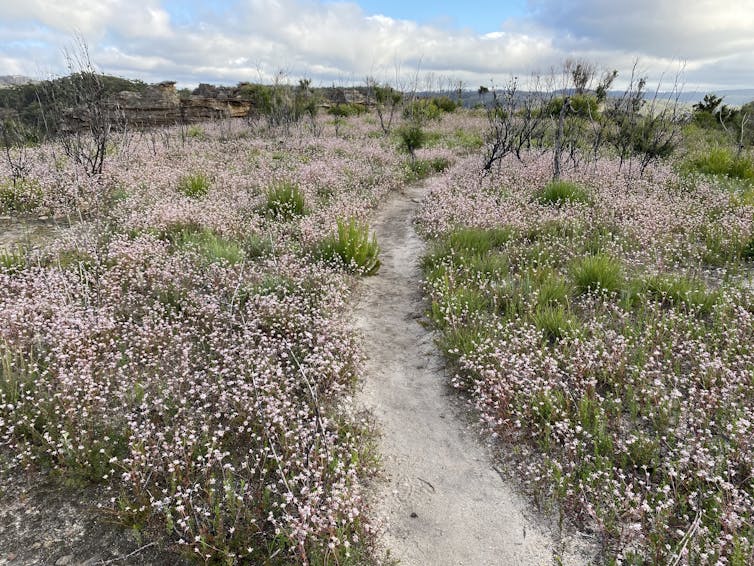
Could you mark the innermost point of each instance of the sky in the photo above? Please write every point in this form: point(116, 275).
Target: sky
point(703, 44)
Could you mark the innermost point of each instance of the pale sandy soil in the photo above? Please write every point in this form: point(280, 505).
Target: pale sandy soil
point(441, 501)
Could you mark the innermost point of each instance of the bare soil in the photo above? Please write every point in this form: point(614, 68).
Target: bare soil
point(16, 232)
point(442, 501)
point(45, 523)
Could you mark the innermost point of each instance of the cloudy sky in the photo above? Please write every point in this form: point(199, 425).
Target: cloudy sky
point(342, 42)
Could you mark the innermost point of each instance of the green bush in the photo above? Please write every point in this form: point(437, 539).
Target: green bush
point(195, 185)
point(721, 161)
point(353, 247)
point(597, 273)
point(285, 201)
point(580, 104)
point(345, 110)
point(560, 192)
point(410, 138)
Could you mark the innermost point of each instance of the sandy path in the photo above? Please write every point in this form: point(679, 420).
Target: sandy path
point(443, 503)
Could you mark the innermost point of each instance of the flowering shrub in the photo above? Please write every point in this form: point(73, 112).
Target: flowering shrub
point(182, 350)
point(606, 343)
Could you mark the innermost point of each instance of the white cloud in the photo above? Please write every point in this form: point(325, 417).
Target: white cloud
point(337, 41)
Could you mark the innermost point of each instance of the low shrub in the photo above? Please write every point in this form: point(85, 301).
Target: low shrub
point(722, 161)
point(411, 138)
point(353, 247)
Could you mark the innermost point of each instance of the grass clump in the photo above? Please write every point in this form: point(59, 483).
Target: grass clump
point(561, 192)
point(553, 290)
point(12, 260)
point(478, 241)
point(722, 161)
point(285, 201)
point(208, 244)
point(195, 185)
point(682, 291)
point(597, 273)
point(214, 248)
point(419, 169)
point(555, 321)
point(352, 246)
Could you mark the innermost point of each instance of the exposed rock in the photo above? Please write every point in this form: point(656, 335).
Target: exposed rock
point(160, 105)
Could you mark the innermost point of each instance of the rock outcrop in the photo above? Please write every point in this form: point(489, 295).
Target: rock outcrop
point(160, 105)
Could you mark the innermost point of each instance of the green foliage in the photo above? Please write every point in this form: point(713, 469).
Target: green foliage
point(554, 321)
point(344, 110)
point(423, 110)
point(353, 247)
point(553, 290)
point(654, 138)
point(30, 104)
point(285, 201)
point(466, 140)
point(561, 192)
point(12, 260)
point(747, 252)
point(411, 137)
point(255, 246)
point(195, 185)
point(280, 104)
point(195, 132)
point(721, 161)
point(423, 168)
point(387, 95)
point(597, 273)
point(21, 196)
point(445, 103)
point(682, 291)
point(584, 105)
point(477, 241)
point(212, 247)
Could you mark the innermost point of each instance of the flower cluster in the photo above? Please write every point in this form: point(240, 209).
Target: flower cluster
point(622, 385)
point(182, 349)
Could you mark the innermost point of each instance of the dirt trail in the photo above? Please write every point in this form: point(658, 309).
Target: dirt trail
point(442, 501)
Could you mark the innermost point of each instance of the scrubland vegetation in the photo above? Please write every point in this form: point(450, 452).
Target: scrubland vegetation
point(184, 344)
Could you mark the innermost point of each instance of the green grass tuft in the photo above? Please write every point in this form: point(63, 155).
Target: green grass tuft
point(285, 201)
point(682, 291)
point(352, 246)
point(597, 273)
point(195, 185)
point(721, 161)
point(561, 192)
